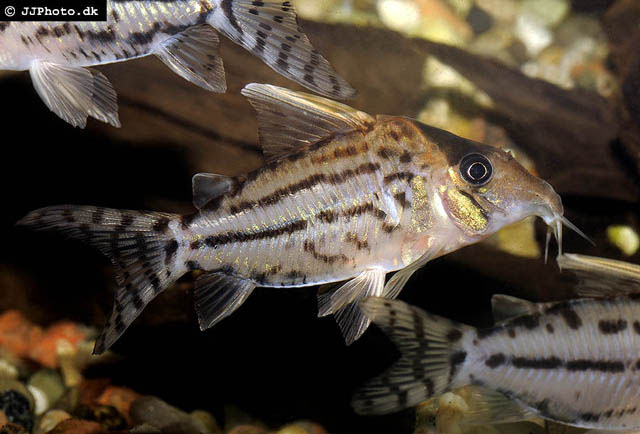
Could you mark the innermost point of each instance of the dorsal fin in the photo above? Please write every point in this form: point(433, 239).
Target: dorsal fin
point(288, 119)
point(505, 307)
point(209, 186)
point(601, 277)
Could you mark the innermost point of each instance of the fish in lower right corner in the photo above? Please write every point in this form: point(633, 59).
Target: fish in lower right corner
point(575, 362)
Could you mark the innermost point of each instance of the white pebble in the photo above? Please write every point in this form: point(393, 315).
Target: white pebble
point(41, 400)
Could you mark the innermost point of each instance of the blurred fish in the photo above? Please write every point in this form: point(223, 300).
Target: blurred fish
point(574, 362)
point(600, 277)
point(179, 32)
point(343, 196)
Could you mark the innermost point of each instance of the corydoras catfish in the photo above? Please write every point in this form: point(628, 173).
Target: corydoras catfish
point(574, 362)
point(343, 196)
point(179, 32)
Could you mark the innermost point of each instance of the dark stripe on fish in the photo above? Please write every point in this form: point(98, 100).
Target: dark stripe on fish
point(609, 327)
point(310, 246)
point(330, 216)
point(227, 8)
point(243, 237)
point(609, 366)
point(565, 310)
point(307, 183)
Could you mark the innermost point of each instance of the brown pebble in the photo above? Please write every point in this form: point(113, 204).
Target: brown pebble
point(12, 428)
point(77, 426)
point(248, 429)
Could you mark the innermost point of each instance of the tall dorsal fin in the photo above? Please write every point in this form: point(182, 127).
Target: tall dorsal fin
point(288, 119)
point(505, 307)
point(209, 186)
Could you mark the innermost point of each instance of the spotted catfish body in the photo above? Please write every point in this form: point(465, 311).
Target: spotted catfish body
point(343, 196)
point(575, 362)
point(179, 32)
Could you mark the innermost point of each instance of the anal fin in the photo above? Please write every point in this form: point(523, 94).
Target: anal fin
point(75, 93)
point(343, 303)
point(217, 295)
point(193, 55)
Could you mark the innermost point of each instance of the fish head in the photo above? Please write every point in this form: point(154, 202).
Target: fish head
point(483, 189)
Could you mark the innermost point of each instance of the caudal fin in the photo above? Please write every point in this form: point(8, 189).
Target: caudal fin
point(270, 30)
point(432, 356)
point(141, 246)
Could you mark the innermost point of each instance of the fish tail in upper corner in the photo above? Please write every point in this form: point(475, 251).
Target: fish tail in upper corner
point(143, 247)
point(270, 30)
point(432, 357)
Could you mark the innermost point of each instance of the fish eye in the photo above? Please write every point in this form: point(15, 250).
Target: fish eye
point(476, 169)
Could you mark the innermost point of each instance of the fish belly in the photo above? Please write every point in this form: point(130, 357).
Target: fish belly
point(574, 362)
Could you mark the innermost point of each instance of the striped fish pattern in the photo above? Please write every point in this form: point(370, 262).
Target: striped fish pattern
point(181, 33)
point(344, 196)
point(576, 362)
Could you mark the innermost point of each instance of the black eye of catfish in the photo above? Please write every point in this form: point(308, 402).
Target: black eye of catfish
point(476, 169)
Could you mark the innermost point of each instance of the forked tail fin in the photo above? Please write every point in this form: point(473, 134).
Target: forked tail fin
point(141, 245)
point(432, 357)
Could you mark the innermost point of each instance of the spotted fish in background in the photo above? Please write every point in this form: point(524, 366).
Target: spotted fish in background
point(575, 362)
point(179, 32)
point(343, 196)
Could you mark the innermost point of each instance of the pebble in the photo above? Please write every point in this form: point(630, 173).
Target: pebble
point(12, 428)
point(533, 33)
point(17, 406)
point(77, 426)
point(248, 429)
point(119, 397)
point(547, 12)
point(106, 415)
point(624, 238)
point(49, 382)
point(302, 427)
point(17, 334)
point(400, 15)
point(8, 370)
point(207, 420)
point(168, 419)
point(50, 420)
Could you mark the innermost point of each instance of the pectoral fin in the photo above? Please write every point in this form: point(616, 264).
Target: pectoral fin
point(400, 279)
point(193, 55)
point(343, 303)
point(75, 93)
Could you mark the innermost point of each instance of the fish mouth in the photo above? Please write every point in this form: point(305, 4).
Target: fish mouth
point(555, 222)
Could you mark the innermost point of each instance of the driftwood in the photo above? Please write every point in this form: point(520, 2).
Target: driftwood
point(568, 133)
